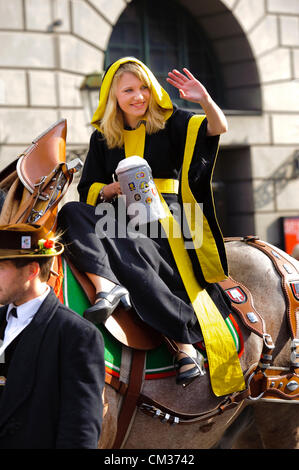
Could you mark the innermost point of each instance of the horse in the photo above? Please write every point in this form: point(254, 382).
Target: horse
point(252, 423)
point(162, 414)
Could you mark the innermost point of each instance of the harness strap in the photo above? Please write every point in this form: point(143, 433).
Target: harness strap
point(265, 381)
point(288, 273)
point(118, 385)
point(250, 318)
point(45, 190)
point(131, 396)
point(168, 415)
point(244, 307)
point(273, 384)
point(157, 410)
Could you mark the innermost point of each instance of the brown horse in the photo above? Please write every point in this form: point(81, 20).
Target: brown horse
point(273, 424)
point(251, 424)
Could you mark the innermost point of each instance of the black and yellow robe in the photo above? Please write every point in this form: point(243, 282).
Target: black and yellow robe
point(171, 288)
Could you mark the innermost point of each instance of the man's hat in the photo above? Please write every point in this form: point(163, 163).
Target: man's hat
point(27, 241)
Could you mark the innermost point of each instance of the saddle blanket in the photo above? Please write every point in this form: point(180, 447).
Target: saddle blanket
point(159, 361)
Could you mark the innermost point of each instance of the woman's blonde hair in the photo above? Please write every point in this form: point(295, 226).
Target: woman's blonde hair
point(112, 122)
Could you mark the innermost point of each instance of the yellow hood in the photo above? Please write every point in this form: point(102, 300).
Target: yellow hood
point(160, 95)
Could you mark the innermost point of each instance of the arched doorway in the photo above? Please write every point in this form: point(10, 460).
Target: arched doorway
point(164, 35)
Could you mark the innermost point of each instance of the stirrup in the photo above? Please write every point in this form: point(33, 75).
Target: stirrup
point(186, 377)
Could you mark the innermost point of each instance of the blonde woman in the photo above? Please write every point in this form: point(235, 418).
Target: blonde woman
point(135, 116)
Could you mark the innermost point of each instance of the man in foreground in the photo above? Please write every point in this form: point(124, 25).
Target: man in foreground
point(51, 360)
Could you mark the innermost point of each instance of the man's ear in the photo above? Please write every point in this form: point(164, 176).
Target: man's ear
point(33, 270)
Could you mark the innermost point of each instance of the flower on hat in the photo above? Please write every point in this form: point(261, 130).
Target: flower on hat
point(46, 247)
point(49, 244)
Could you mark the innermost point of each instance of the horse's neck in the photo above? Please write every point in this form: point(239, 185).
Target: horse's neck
point(256, 271)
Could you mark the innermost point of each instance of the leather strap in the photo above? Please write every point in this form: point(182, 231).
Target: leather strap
point(168, 415)
point(43, 189)
point(131, 397)
point(25, 208)
point(171, 416)
point(118, 385)
point(273, 384)
point(245, 309)
point(288, 272)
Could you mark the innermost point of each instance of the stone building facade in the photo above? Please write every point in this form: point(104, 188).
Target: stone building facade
point(49, 46)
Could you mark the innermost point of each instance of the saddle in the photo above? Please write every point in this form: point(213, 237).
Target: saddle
point(37, 180)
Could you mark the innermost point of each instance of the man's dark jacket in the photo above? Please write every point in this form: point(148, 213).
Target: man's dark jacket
point(52, 397)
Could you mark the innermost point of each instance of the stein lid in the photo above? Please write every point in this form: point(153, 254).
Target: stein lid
point(130, 162)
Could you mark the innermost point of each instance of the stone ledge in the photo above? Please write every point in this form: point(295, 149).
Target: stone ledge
point(77, 56)
point(285, 6)
point(264, 36)
point(8, 154)
point(38, 14)
point(13, 89)
point(286, 190)
point(111, 9)
point(247, 130)
point(26, 50)
point(42, 88)
point(289, 31)
point(296, 62)
point(272, 162)
point(249, 12)
point(22, 125)
point(90, 25)
point(281, 96)
point(285, 128)
point(11, 14)
point(268, 69)
point(78, 130)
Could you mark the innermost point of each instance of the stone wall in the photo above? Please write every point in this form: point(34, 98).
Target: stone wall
point(272, 29)
point(42, 65)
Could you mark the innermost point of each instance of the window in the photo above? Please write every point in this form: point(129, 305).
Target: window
point(164, 35)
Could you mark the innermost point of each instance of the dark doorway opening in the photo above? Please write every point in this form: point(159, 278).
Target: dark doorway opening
point(233, 192)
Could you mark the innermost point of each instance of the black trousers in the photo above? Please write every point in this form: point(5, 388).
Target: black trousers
point(144, 265)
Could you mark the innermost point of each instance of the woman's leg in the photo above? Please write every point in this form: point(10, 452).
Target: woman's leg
point(101, 284)
point(77, 222)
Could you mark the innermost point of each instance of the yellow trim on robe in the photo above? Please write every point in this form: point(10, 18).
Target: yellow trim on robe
point(225, 371)
point(93, 193)
point(134, 141)
point(224, 366)
point(207, 253)
point(167, 185)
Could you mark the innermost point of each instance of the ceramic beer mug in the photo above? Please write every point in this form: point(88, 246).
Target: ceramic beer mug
point(136, 182)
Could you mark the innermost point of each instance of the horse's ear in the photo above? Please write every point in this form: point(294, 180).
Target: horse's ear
point(43, 155)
